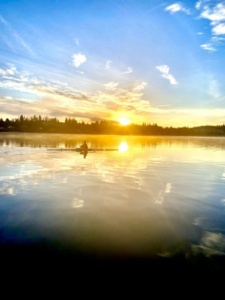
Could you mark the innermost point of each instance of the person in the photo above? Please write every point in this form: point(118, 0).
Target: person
point(84, 149)
point(84, 146)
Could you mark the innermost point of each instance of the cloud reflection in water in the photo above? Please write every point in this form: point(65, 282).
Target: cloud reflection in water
point(114, 193)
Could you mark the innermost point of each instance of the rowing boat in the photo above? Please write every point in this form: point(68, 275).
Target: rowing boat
point(82, 150)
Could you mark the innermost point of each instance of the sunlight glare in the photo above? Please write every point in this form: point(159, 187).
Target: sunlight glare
point(123, 147)
point(124, 121)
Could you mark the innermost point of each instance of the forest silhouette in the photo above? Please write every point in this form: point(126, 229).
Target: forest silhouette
point(41, 124)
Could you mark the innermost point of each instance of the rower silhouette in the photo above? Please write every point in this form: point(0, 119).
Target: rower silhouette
point(84, 146)
point(84, 149)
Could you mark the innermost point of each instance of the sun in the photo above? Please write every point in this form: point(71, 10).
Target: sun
point(124, 121)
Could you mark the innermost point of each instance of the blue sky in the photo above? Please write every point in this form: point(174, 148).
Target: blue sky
point(149, 61)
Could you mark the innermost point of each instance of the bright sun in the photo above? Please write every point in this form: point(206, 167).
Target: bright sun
point(124, 121)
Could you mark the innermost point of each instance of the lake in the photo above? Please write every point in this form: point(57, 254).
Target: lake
point(152, 199)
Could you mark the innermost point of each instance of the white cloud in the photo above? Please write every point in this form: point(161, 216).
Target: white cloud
point(219, 29)
point(208, 47)
point(164, 69)
point(176, 7)
point(217, 38)
point(140, 86)
point(198, 5)
point(215, 14)
point(10, 71)
point(128, 71)
point(59, 100)
point(78, 59)
point(111, 86)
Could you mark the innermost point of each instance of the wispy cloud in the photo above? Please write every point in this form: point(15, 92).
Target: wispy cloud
point(198, 4)
point(56, 99)
point(111, 86)
point(208, 47)
point(17, 38)
point(177, 7)
point(11, 77)
point(214, 89)
point(108, 64)
point(3, 21)
point(140, 86)
point(11, 70)
point(77, 42)
point(164, 70)
point(78, 59)
point(128, 71)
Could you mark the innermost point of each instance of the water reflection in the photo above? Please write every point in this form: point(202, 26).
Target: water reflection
point(157, 197)
point(72, 141)
point(78, 203)
point(123, 146)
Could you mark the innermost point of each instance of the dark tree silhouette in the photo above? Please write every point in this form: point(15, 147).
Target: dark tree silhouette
point(71, 125)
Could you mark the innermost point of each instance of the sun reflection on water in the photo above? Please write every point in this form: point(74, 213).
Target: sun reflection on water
point(140, 200)
point(123, 147)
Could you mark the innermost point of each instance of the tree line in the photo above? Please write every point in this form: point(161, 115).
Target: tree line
point(39, 124)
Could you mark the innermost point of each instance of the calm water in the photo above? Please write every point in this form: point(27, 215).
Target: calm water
point(153, 197)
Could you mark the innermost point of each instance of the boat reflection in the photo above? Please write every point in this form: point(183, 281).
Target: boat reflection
point(84, 153)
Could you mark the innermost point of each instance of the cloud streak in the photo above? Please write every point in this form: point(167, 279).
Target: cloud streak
point(177, 7)
point(164, 70)
point(128, 71)
point(111, 86)
point(208, 47)
point(108, 64)
point(16, 37)
point(56, 99)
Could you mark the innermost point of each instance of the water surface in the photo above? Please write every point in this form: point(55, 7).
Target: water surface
point(153, 197)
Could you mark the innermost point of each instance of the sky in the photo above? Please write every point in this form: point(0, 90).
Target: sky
point(155, 62)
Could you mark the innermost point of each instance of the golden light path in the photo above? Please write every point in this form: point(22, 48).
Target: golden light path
point(123, 146)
